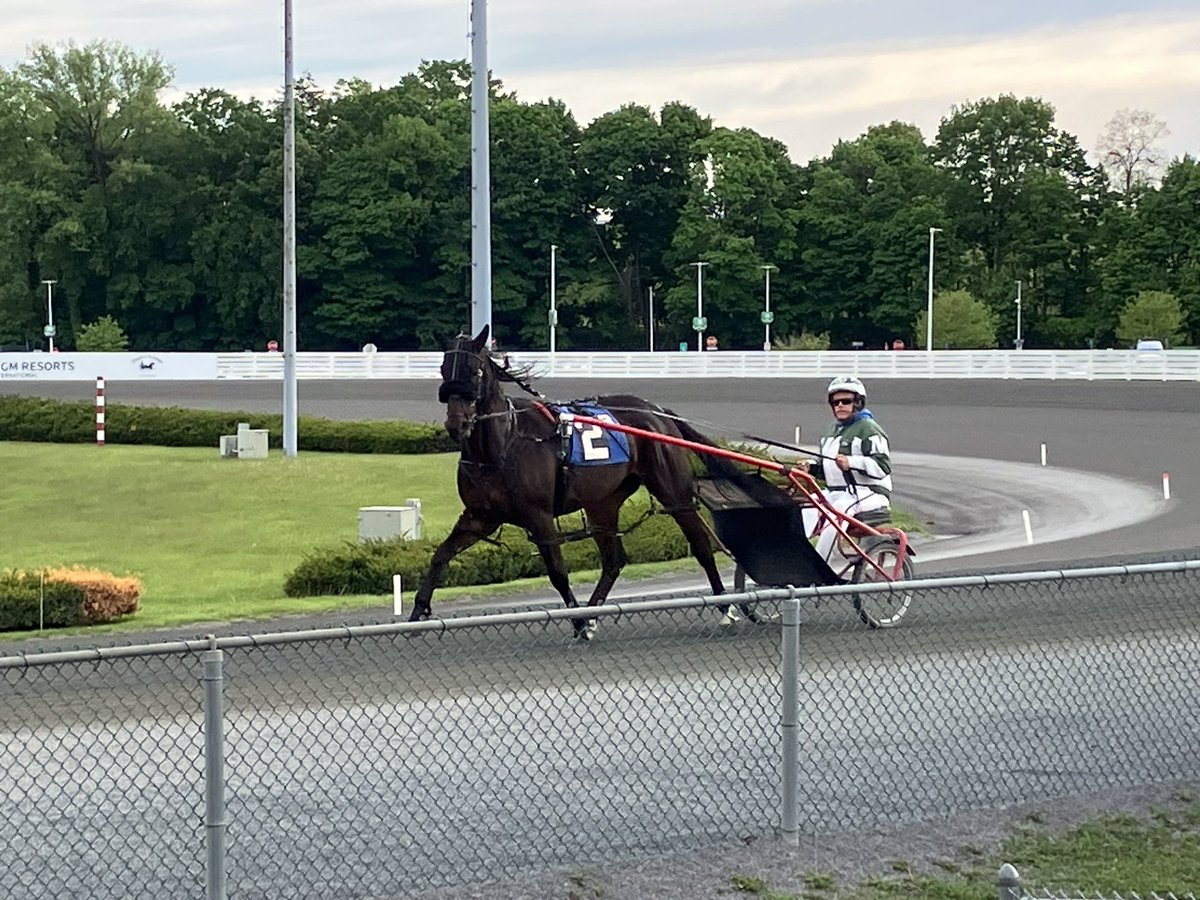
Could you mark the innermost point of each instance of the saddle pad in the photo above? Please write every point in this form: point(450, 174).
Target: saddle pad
point(592, 445)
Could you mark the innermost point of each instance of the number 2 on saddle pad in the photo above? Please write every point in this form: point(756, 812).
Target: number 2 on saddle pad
point(592, 445)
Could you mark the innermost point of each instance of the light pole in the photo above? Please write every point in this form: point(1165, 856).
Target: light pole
point(1017, 344)
point(767, 317)
point(650, 323)
point(699, 322)
point(49, 283)
point(929, 309)
point(553, 285)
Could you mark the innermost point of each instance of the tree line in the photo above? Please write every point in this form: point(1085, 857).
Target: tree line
point(165, 221)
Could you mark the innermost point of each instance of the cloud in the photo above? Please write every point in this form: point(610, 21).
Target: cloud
point(781, 67)
point(810, 102)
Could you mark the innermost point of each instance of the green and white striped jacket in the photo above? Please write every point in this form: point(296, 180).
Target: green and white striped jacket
point(866, 444)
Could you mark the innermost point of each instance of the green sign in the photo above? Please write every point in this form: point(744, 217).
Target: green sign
point(766, 317)
point(48, 331)
point(699, 323)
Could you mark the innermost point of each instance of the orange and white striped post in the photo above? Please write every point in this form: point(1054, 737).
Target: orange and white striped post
point(99, 411)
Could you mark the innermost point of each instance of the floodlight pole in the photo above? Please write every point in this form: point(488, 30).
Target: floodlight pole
point(289, 239)
point(699, 304)
point(553, 283)
point(767, 306)
point(1018, 302)
point(481, 179)
point(929, 309)
point(49, 283)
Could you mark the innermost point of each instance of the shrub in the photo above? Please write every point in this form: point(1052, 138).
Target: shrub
point(803, 341)
point(368, 568)
point(62, 597)
point(106, 597)
point(54, 421)
point(105, 335)
point(27, 600)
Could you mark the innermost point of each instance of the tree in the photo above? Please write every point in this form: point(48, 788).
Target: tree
point(960, 322)
point(634, 171)
point(110, 135)
point(1152, 314)
point(740, 215)
point(105, 335)
point(1128, 150)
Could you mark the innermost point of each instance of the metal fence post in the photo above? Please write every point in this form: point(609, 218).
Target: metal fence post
point(789, 820)
point(1009, 883)
point(214, 770)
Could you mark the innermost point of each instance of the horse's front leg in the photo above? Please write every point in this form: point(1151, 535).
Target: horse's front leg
point(612, 558)
point(469, 530)
point(545, 536)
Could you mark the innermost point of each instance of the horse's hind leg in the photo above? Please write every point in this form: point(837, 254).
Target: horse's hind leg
point(697, 535)
point(469, 530)
point(605, 523)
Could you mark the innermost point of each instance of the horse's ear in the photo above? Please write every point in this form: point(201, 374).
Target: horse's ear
point(481, 339)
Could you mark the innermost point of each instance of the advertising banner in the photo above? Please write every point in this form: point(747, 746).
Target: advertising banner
point(110, 366)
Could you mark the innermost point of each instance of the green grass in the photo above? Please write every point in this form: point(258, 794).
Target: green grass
point(212, 539)
point(1107, 856)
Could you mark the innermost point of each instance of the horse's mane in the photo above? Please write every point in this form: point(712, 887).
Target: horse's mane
point(519, 375)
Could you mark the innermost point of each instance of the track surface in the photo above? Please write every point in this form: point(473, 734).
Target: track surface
point(967, 455)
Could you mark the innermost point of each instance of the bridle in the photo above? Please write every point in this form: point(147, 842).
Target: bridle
point(462, 382)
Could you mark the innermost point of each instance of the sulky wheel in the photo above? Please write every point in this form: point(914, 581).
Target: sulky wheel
point(885, 608)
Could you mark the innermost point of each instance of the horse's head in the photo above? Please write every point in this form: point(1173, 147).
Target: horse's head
point(463, 368)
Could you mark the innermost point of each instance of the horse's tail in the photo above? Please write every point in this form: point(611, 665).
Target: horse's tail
point(716, 465)
point(751, 482)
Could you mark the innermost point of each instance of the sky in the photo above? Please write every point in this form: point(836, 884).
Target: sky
point(807, 72)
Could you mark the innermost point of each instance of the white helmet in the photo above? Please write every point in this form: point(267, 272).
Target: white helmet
point(847, 383)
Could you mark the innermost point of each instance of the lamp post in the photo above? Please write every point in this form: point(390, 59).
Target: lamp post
point(553, 287)
point(767, 316)
point(1018, 344)
point(49, 283)
point(650, 321)
point(929, 309)
point(700, 324)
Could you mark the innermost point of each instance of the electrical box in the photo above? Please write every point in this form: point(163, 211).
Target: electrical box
point(383, 523)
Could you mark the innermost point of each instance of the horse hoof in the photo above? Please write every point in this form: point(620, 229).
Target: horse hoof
point(586, 630)
point(731, 617)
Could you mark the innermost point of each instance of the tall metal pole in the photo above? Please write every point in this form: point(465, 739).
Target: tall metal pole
point(289, 239)
point(481, 178)
point(1018, 343)
point(553, 282)
point(929, 309)
point(767, 307)
point(651, 319)
point(49, 283)
point(700, 305)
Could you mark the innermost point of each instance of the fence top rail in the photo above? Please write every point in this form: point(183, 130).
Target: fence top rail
point(644, 604)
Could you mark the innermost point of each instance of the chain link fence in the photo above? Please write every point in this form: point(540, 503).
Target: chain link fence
point(385, 760)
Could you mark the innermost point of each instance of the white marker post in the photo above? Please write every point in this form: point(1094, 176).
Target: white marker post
point(797, 441)
point(1028, 526)
point(397, 602)
point(1166, 486)
point(1043, 454)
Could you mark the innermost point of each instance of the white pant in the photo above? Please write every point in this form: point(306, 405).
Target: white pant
point(866, 500)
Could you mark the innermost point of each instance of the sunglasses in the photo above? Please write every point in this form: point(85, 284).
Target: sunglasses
point(841, 401)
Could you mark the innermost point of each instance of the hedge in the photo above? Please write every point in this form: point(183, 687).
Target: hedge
point(60, 598)
point(67, 422)
point(368, 568)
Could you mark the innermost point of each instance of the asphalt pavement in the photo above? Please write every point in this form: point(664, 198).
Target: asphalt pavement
point(968, 453)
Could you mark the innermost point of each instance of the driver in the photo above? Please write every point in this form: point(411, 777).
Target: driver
point(854, 463)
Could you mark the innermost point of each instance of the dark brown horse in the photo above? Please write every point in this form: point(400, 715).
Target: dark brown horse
point(512, 471)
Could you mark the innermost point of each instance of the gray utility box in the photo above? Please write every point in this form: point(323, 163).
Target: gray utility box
point(248, 443)
point(383, 523)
